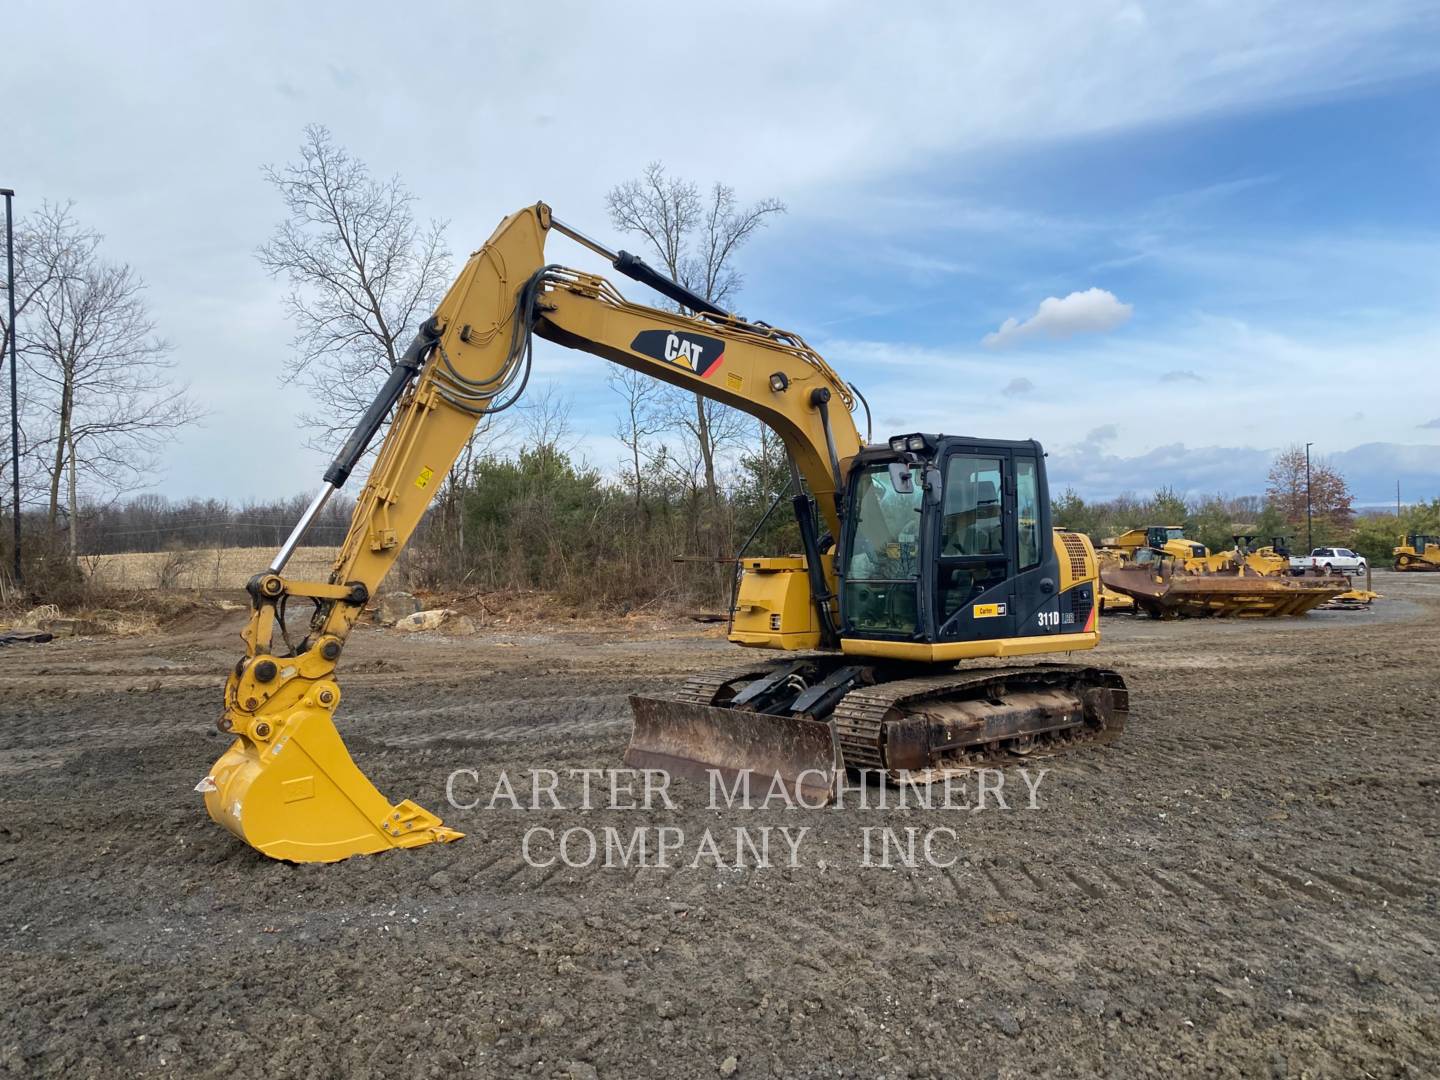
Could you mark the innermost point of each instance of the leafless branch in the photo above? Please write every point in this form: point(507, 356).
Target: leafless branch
point(695, 239)
point(362, 274)
point(101, 398)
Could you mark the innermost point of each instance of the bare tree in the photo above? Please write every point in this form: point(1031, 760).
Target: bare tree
point(642, 418)
point(48, 244)
point(706, 431)
point(40, 258)
point(362, 273)
point(695, 237)
point(101, 390)
point(545, 423)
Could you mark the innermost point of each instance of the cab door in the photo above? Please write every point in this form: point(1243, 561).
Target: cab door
point(1038, 607)
point(974, 545)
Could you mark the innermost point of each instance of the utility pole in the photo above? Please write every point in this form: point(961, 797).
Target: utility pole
point(14, 381)
point(1309, 519)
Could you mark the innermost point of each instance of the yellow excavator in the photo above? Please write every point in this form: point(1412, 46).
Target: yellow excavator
point(917, 552)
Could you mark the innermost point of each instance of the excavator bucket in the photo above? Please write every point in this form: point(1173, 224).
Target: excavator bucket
point(297, 795)
point(693, 741)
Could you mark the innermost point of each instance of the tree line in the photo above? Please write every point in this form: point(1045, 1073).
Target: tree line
point(101, 406)
point(540, 518)
point(155, 523)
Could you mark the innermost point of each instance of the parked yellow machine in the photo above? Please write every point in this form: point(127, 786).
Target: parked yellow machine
point(1112, 602)
point(940, 550)
point(1168, 576)
point(1158, 540)
point(1269, 560)
point(1417, 552)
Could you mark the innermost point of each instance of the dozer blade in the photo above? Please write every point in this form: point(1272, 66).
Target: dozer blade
point(692, 741)
point(299, 796)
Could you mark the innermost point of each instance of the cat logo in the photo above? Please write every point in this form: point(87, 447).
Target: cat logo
point(696, 353)
point(988, 611)
point(678, 350)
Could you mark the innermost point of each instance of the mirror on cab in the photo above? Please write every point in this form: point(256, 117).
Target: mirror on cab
point(934, 486)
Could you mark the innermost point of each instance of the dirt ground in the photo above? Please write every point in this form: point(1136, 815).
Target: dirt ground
point(1246, 885)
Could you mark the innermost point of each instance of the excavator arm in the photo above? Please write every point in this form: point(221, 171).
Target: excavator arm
point(287, 785)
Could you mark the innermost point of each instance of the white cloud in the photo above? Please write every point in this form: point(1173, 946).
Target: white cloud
point(1428, 423)
point(1017, 387)
point(1093, 311)
point(1190, 470)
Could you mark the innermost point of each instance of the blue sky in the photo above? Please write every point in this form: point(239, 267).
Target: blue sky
point(1280, 266)
point(1226, 214)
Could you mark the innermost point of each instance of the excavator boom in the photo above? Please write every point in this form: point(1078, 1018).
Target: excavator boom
point(287, 785)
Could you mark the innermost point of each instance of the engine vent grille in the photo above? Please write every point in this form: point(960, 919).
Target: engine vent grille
point(1075, 548)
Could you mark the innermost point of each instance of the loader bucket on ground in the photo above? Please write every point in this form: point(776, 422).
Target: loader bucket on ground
point(299, 796)
point(692, 741)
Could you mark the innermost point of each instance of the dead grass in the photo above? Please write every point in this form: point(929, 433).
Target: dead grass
point(509, 609)
point(203, 568)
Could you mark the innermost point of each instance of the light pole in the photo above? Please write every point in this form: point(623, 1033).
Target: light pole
point(1309, 519)
point(14, 383)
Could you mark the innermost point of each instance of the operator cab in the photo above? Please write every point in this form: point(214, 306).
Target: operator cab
point(1157, 536)
point(948, 539)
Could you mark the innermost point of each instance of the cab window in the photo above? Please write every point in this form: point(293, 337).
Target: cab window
point(887, 528)
point(972, 523)
point(883, 564)
point(972, 533)
point(1027, 512)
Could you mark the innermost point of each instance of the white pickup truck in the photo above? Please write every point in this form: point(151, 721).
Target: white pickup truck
point(1329, 560)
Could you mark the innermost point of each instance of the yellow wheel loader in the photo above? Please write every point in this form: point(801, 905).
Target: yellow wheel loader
point(1417, 552)
point(918, 551)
